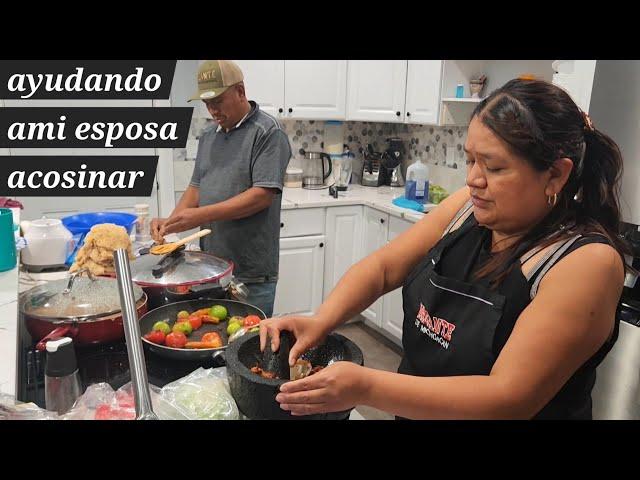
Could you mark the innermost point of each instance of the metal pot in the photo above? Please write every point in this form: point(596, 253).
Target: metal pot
point(256, 396)
point(86, 309)
point(185, 275)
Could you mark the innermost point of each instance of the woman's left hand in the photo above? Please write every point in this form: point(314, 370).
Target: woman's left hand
point(336, 388)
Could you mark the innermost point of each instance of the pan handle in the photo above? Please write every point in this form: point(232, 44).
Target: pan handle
point(239, 290)
point(219, 353)
point(58, 333)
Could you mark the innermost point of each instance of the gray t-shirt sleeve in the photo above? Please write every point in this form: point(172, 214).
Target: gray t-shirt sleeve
point(197, 170)
point(270, 160)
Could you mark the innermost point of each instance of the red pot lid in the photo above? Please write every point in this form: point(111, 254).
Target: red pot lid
point(87, 299)
point(185, 268)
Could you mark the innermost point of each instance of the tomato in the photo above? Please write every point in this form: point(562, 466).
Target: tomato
point(184, 327)
point(212, 337)
point(176, 340)
point(251, 321)
point(195, 321)
point(219, 311)
point(208, 319)
point(162, 326)
point(157, 336)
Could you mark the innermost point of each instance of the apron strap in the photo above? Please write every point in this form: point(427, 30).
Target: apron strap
point(556, 252)
point(463, 214)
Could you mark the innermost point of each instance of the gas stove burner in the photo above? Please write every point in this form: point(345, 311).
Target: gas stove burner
point(108, 363)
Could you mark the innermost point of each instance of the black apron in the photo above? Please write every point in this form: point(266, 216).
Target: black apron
point(452, 327)
point(449, 325)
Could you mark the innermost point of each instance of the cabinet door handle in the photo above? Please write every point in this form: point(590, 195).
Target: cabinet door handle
point(408, 114)
point(398, 114)
point(282, 225)
point(382, 220)
point(280, 110)
point(321, 244)
point(290, 110)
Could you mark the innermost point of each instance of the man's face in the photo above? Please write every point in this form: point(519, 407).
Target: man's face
point(227, 108)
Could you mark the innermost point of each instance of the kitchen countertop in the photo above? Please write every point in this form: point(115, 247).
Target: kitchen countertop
point(376, 197)
point(8, 330)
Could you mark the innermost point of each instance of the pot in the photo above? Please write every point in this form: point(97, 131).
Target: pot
point(185, 275)
point(256, 396)
point(86, 309)
point(169, 313)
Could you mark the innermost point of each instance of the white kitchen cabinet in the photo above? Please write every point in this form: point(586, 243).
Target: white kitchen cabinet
point(376, 90)
point(392, 313)
point(301, 222)
point(376, 224)
point(315, 89)
point(424, 79)
point(300, 277)
point(264, 83)
point(344, 233)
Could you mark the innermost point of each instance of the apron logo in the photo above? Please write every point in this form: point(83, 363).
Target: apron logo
point(438, 329)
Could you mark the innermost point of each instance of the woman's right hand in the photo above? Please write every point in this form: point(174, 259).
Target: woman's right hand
point(156, 225)
point(307, 330)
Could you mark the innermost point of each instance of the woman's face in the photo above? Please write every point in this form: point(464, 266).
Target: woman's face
point(508, 194)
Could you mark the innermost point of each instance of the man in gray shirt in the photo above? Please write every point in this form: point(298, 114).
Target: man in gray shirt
point(237, 183)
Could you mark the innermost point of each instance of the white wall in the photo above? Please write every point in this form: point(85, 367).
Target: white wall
point(615, 110)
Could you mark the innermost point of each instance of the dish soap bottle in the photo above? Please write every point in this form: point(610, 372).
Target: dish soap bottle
point(417, 184)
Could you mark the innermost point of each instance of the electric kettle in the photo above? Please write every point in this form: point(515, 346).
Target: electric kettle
point(314, 172)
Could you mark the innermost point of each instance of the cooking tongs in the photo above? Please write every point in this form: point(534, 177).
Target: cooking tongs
point(167, 262)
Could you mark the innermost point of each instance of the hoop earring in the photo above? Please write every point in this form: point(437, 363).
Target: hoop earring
point(555, 199)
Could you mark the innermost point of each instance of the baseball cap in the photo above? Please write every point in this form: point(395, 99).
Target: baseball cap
point(215, 77)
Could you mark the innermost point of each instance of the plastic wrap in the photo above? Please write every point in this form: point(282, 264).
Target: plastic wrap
point(202, 395)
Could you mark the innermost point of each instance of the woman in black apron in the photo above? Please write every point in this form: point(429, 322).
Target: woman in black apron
point(483, 335)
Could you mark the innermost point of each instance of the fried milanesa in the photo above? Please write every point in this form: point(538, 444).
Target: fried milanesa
point(96, 254)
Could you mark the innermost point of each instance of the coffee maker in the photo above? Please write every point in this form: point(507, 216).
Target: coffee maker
point(372, 171)
point(392, 163)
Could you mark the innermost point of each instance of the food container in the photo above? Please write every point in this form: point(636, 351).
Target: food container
point(293, 178)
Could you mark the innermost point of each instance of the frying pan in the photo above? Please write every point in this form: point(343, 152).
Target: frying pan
point(169, 314)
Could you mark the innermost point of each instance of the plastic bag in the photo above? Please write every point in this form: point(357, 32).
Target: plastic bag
point(10, 409)
point(204, 394)
point(101, 402)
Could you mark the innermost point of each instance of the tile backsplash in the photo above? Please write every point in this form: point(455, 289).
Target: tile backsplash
point(439, 147)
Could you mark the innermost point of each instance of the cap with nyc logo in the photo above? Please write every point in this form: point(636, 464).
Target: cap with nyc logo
point(215, 77)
